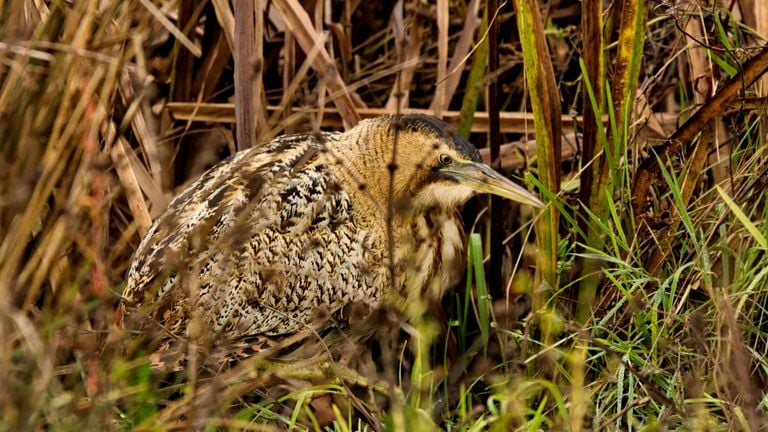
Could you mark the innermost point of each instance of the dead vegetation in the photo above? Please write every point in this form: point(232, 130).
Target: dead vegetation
point(653, 310)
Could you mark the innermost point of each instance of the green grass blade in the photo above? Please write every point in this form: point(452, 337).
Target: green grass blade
point(743, 218)
point(474, 84)
point(483, 299)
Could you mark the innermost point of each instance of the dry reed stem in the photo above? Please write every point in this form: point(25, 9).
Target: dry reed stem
point(411, 47)
point(297, 19)
point(248, 125)
point(178, 34)
point(510, 122)
point(290, 88)
point(760, 12)
point(259, 99)
point(146, 139)
point(226, 20)
point(130, 183)
point(517, 155)
point(460, 56)
point(440, 100)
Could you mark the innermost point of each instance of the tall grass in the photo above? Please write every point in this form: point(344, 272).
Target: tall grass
point(652, 315)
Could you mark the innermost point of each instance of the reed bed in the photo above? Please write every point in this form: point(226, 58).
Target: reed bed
point(637, 301)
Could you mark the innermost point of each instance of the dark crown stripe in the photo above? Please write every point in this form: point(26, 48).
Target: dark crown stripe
point(441, 129)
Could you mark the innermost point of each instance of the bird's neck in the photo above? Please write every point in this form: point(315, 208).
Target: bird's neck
point(429, 253)
point(361, 160)
point(428, 242)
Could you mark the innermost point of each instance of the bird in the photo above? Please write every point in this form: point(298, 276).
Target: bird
point(308, 224)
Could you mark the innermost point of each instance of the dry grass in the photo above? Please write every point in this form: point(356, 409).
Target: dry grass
point(108, 107)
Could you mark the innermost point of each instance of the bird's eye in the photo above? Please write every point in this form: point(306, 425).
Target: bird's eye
point(444, 159)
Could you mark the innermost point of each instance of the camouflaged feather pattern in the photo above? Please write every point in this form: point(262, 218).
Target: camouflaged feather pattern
point(265, 242)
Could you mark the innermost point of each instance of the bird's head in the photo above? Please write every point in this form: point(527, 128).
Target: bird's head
point(433, 166)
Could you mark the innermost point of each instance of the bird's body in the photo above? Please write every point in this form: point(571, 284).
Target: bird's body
point(266, 239)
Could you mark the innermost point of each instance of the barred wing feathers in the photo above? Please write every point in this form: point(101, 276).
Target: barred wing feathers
point(257, 245)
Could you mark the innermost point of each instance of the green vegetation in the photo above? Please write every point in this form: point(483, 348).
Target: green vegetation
point(638, 301)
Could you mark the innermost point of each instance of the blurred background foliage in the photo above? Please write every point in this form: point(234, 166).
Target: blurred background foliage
point(638, 304)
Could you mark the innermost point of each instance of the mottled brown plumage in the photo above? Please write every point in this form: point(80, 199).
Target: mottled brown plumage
point(264, 241)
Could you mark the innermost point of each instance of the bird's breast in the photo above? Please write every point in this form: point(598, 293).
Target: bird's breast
point(430, 254)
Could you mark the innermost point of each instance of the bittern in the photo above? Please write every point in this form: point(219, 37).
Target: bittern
point(262, 241)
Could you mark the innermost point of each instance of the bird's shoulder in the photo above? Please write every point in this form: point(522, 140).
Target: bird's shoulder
point(266, 187)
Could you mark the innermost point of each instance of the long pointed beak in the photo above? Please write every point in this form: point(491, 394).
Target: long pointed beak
point(483, 179)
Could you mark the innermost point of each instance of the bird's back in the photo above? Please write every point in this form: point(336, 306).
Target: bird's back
point(257, 245)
